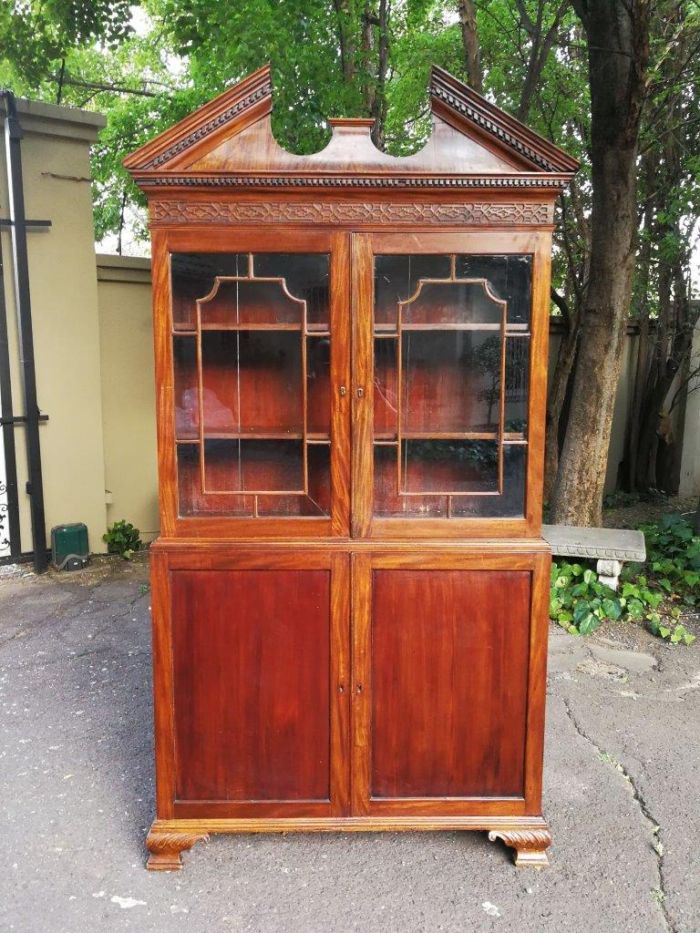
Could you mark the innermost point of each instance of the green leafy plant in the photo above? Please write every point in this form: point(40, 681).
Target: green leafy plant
point(578, 601)
point(122, 538)
point(656, 592)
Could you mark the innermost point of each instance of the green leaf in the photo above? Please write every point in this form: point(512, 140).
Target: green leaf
point(635, 609)
point(589, 623)
point(612, 609)
point(589, 576)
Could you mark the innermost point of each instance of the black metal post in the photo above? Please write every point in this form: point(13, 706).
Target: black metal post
point(35, 486)
point(8, 427)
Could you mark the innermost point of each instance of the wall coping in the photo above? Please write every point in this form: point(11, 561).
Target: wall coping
point(133, 269)
point(39, 118)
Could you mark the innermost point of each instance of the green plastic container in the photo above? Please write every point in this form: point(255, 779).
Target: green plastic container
point(69, 546)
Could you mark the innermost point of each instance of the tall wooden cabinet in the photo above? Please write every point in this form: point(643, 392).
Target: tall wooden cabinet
point(350, 587)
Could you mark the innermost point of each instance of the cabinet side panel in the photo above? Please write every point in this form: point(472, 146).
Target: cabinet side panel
point(251, 651)
point(449, 683)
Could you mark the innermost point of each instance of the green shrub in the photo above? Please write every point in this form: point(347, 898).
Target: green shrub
point(122, 538)
point(655, 592)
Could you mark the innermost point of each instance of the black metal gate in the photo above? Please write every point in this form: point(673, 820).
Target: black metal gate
point(10, 545)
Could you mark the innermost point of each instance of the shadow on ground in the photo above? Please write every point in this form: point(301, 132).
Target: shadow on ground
point(621, 790)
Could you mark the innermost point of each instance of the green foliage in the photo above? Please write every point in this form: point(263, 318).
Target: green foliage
point(656, 592)
point(578, 601)
point(36, 35)
point(123, 539)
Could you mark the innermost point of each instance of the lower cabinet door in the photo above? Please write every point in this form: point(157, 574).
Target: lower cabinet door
point(259, 648)
point(442, 722)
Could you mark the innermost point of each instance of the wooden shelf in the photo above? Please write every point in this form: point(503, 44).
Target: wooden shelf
point(234, 327)
point(512, 330)
point(440, 436)
point(228, 327)
point(311, 438)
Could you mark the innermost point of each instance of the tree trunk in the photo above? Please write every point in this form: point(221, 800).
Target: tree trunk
point(380, 101)
point(346, 39)
point(555, 404)
point(470, 42)
point(617, 33)
point(542, 40)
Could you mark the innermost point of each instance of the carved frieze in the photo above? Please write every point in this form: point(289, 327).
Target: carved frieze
point(203, 212)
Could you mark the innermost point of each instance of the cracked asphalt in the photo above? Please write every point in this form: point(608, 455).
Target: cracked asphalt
point(622, 784)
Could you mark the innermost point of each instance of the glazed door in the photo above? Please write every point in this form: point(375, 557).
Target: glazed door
point(256, 338)
point(449, 381)
point(447, 707)
point(253, 685)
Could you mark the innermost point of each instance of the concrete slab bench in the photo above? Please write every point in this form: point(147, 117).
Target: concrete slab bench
point(611, 547)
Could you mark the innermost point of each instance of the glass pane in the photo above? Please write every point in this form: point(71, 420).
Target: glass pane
point(509, 278)
point(451, 377)
point(451, 381)
point(511, 504)
point(193, 276)
point(386, 402)
point(252, 466)
point(517, 380)
point(318, 385)
point(396, 279)
point(467, 303)
point(254, 425)
point(449, 466)
point(250, 302)
point(306, 277)
point(387, 501)
point(192, 501)
point(186, 388)
point(251, 382)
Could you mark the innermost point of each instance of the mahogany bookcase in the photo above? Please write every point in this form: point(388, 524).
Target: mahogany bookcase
point(350, 587)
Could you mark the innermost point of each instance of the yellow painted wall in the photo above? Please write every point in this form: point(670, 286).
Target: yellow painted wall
point(128, 391)
point(55, 155)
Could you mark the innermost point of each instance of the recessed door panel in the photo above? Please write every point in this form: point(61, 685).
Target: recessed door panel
point(441, 686)
point(256, 656)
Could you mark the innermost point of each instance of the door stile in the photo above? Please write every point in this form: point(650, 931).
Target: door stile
point(340, 684)
point(539, 356)
point(340, 329)
point(362, 384)
point(360, 753)
point(537, 681)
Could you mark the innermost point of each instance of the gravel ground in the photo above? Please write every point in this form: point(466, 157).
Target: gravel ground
point(622, 784)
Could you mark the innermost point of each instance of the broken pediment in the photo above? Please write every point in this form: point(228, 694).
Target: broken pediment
point(229, 142)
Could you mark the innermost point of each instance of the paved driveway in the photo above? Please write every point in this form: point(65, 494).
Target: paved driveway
point(622, 795)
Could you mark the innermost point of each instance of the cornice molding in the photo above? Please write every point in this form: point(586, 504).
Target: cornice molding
point(218, 212)
point(462, 107)
point(352, 181)
point(463, 100)
point(210, 126)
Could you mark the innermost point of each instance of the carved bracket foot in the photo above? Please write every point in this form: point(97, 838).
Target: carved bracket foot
point(165, 847)
point(530, 845)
